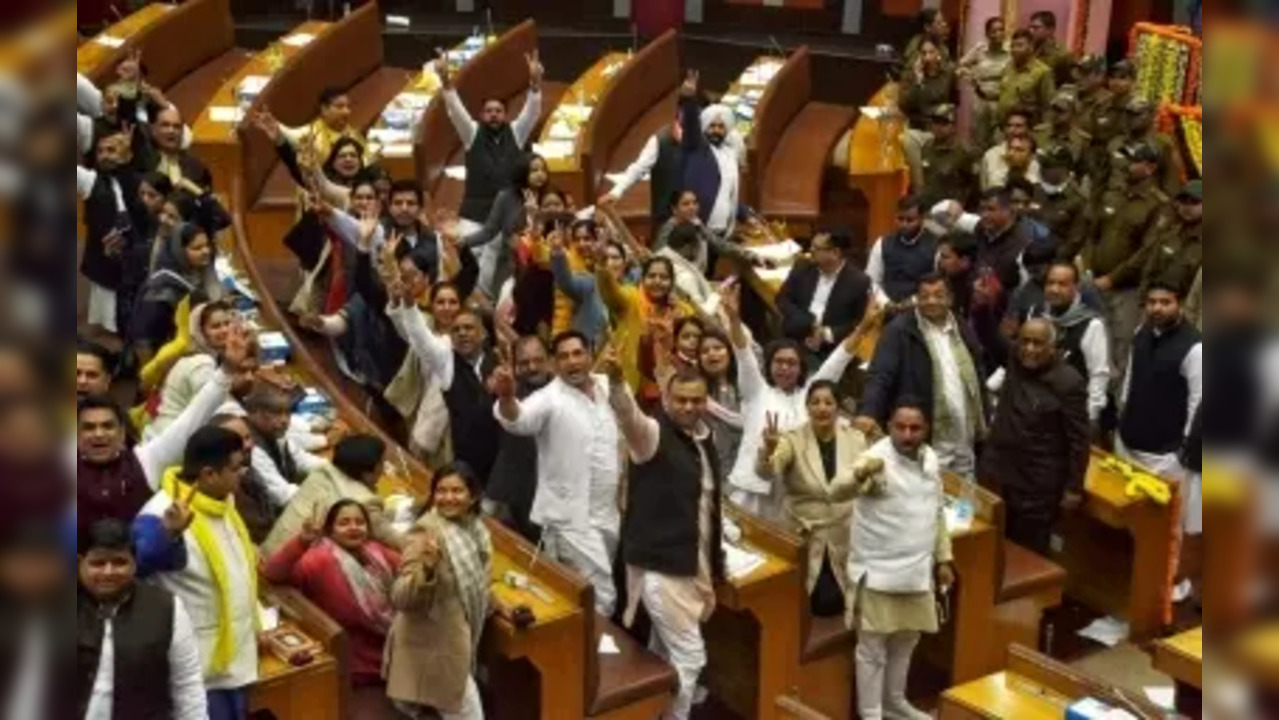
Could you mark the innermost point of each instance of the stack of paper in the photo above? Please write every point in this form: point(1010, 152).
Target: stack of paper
point(739, 563)
point(782, 252)
point(1108, 631)
point(226, 114)
point(298, 39)
point(250, 88)
point(556, 149)
point(110, 41)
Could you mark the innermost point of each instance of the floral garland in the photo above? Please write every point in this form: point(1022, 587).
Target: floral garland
point(1188, 121)
point(1192, 131)
point(1168, 61)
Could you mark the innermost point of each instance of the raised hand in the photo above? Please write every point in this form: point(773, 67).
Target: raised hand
point(442, 68)
point(368, 228)
point(423, 547)
point(178, 516)
point(313, 526)
point(266, 122)
point(237, 349)
point(535, 70)
point(869, 427)
point(501, 383)
point(731, 300)
point(113, 244)
point(692, 80)
point(772, 434)
point(611, 365)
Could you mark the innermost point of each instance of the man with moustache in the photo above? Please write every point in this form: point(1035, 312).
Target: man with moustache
point(513, 481)
point(712, 156)
point(1038, 448)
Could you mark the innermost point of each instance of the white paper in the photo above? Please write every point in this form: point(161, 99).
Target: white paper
point(298, 39)
point(456, 172)
point(608, 646)
point(778, 252)
point(253, 84)
point(556, 149)
point(876, 113)
point(269, 618)
point(226, 114)
point(1164, 697)
point(957, 520)
point(739, 563)
point(397, 150)
point(110, 41)
point(563, 132)
point(1108, 631)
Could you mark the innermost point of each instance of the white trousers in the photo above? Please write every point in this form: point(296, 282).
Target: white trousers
point(589, 553)
point(472, 708)
point(677, 634)
point(102, 308)
point(1169, 466)
point(883, 670)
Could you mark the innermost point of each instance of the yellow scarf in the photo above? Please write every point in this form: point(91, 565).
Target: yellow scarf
point(203, 508)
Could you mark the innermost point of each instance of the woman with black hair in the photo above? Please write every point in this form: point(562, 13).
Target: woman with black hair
point(724, 409)
point(779, 395)
point(441, 599)
point(185, 266)
point(336, 561)
point(494, 241)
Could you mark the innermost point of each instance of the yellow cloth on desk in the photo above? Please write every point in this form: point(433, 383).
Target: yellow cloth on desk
point(203, 507)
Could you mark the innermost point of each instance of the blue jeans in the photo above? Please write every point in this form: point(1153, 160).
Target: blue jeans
point(228, 704)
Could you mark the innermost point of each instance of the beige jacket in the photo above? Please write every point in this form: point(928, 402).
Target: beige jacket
point(810, 506)
point(322, 489)
point(428, 652)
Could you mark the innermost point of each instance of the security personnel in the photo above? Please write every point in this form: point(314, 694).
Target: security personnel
point(1092, 96)
point(1140, 124)
point(1059, 203)
point(1028, 83)
point(1062, 130)
point(1122, 223)
point(1111, 122)
point(1175, 256)
point(950, 165)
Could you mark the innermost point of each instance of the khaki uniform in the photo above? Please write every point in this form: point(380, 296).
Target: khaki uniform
point(1121, 225)
point(912, 50)
point(1168, 176)
point(1065, 214)
point(1073, 137)
point(1058, 59)
point(920, 94)
point(1030, 89)
point(950, 172)
point(1195, 300)
point(1175, 254)
point(1103, 117)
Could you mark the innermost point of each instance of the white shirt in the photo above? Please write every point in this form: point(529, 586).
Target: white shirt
point(724, 212)
point(27, 695)
point(1095, 346)
point(186, 679)
point(940, 344)
point(579, 454)
point(195, 587)
point(467, 128)
point(1192, 368)
point(994, 168)
point(821, 296)
point(435, 353)
point(760, 399)
point(875, 267)
point(638, 170)
point(278, 487)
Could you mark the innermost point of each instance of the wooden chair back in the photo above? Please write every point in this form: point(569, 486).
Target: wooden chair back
point(786, 95)
point(188, 36)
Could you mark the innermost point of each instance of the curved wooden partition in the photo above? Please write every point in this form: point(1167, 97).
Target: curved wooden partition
point(340, 56)
point(641, 84)
point(174, 40)
point(562, 644)
point(34, 52)
point(498, 71)
point(785, 96)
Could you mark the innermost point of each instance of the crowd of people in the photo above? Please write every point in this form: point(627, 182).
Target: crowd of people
point(603, 394)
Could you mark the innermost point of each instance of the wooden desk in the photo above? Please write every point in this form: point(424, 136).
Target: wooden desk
point(561, 142)
point(1033, 687)
point(1181, 658)
point(37, 51)
point(310, 691)
point(744, 97)
point(98, 56)
point(1231, 555)
point(215, 139)
point(754, 638)
point(1119, 552)
point(877, 167)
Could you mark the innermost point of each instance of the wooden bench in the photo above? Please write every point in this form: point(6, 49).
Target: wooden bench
point(319, 690)
point(498, 71)
point(641, 100)
point(347, 54)
point(1031, 585)
point(553, 670)
point(791, 146)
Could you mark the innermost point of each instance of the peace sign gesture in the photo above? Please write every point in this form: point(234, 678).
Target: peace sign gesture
point(178, 516)
point(772, 433)
point(442, 68)
point(313, 526)
point(501, 382)
point(423, 547)
point(535, 70)
point(692, 79)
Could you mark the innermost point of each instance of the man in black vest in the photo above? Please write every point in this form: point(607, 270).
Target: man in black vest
point(153, 667)
point(1038, 449)
point(661, 161)
point(276, 461)
point(461, 366)
point(513, 479)
point(899, 261)
point(1162, 393)
point(672, 533)
point(493, 146)
point(1082, 338)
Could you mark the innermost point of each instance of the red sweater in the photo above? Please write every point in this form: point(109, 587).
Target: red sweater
point(319, 577)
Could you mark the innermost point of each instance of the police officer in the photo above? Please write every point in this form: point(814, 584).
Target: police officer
point(1092, 96)
point(1176, 253)
point(1121, 225)
point(950, 164)
point(1062, 130)
point(1139, 120)
point(1059, 203)
point(1028, 82)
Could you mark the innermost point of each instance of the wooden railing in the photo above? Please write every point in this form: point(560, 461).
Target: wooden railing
point(786, 95)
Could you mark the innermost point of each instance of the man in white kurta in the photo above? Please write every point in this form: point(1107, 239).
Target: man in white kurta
point(579, 463)
point(899, 557)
